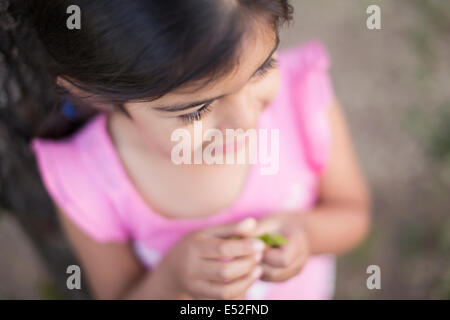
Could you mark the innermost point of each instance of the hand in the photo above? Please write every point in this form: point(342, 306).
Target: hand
point(206, 265)
point(286, 261)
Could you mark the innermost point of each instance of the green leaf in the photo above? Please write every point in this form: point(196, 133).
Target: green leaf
point(271, 239)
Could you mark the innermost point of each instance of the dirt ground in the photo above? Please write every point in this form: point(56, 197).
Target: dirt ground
point(394, 85)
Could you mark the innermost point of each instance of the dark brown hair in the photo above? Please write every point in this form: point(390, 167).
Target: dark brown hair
point(125, 50)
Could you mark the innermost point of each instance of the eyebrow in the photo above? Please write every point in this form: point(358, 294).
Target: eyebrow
point(182, 107)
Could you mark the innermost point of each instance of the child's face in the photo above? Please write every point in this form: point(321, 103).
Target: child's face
point(242, 96)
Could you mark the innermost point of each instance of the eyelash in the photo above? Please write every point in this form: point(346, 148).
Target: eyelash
point(271, 64)
point(199, 113)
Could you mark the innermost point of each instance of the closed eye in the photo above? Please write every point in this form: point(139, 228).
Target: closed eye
point(269, 65)
point(197, 114)
point(200, 112)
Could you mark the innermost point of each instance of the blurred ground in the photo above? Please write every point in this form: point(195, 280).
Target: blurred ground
point(22, 275)
point(394, 87)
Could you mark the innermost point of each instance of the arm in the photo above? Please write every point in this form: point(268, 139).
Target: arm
point(113, 270)
point(336, 224)
point(342, 217)
point(193, 269)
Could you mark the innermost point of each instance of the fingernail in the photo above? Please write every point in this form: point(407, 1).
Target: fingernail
point(257, 272)
point(259, 245)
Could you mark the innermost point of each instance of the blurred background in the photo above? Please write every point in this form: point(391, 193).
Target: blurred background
point(394, 86)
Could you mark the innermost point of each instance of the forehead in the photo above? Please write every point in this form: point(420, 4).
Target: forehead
point(255, 49)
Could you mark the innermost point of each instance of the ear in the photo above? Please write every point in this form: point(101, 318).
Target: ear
point(77, 92)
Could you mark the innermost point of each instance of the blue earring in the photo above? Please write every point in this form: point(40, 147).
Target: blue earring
point(68, 110)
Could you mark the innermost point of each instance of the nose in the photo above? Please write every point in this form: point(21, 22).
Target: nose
point(239, 111)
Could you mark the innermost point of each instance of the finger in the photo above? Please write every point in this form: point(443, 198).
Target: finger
point(215, 248)
point(282, 256)
point(276, 274)
point(230, 290)
point(215, 270)
point(266, 226)
point(241, 228)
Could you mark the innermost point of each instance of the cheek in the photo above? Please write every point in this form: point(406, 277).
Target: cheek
point(155, 131)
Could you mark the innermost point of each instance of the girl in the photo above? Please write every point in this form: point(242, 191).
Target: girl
point(144, 227)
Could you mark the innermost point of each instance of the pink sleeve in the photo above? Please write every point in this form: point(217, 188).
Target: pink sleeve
point(313, 94)
point(77, 192)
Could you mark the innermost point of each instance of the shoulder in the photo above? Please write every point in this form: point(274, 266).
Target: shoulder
point(68, 157)
point(305, 70)
point(305, 57)
point(73, 172)
point(306, 77)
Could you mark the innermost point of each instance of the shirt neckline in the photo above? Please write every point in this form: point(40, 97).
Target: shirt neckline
point(132, 194)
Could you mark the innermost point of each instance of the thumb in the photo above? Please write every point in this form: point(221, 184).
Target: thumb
point(243, 228)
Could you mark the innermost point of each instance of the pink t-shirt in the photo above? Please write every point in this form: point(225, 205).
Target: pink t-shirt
point(85, 177)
